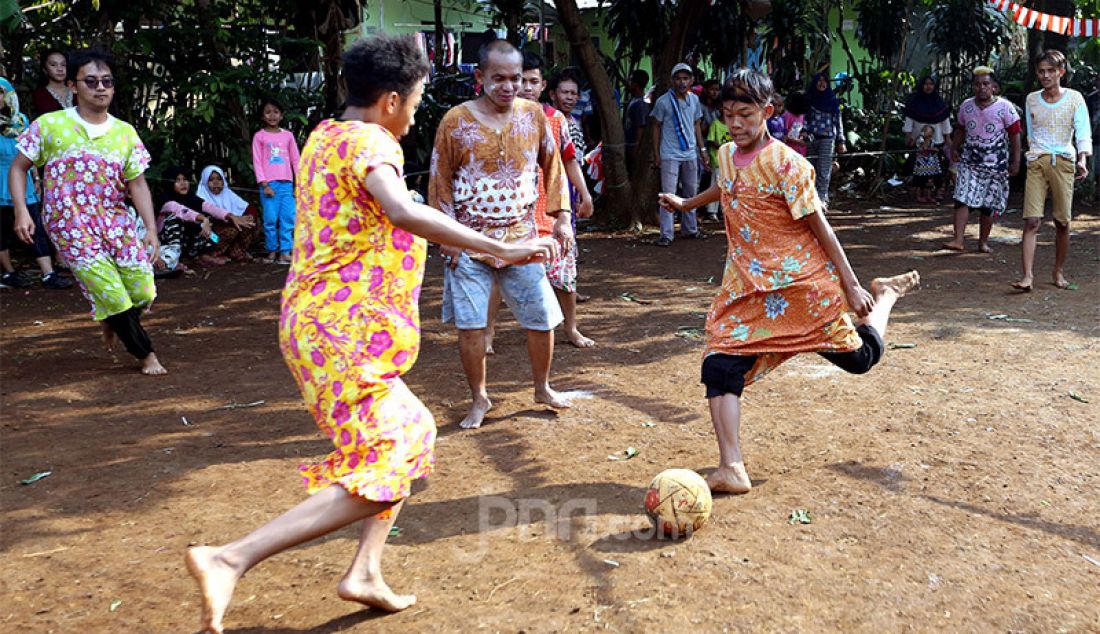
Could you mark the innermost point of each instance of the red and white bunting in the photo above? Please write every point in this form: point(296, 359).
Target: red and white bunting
point(1076, 27)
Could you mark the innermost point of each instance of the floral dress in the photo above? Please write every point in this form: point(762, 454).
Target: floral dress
point(350, 324)
point(780, 292)
point(86, 169)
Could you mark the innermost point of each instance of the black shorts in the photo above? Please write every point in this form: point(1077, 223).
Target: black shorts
point(725, 373)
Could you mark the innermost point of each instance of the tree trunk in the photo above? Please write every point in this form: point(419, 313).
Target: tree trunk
point(627, 201)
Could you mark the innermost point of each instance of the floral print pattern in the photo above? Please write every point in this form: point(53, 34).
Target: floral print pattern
point(780, 294)
point(84, 206)
point(350, 324)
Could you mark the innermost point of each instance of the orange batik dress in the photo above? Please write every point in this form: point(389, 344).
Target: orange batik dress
point(780, 292)
point(562, 270)
point(350, 324)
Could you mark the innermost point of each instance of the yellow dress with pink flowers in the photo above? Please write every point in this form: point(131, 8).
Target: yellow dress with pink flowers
point(350, 323)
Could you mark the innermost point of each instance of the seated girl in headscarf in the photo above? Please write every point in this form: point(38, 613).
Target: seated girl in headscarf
point(235, 238)
point(198, 237)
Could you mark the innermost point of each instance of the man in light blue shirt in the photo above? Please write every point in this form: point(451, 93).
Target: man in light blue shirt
point(680, 149)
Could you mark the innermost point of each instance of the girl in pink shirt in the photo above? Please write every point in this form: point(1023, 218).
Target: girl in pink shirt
point(275, 162)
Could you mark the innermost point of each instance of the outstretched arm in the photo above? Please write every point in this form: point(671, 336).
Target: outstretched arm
point(858, 298)
point(674, 202)
point(385, 185)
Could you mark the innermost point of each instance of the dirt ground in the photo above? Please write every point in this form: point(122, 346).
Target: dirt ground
point(954, 488)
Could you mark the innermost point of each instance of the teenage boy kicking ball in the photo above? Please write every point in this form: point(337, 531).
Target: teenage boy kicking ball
point(787, 286)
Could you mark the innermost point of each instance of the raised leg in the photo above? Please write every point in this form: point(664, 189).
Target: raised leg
point(887, 290)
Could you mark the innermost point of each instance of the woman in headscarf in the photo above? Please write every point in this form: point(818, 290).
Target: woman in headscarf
point(925, 108)
point(235, 239)
point(198, 237)
point(823, 121)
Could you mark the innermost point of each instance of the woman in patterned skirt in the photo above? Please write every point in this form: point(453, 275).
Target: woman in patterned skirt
point(350, 328)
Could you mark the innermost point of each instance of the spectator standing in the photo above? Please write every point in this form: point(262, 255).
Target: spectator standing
point(275, 162)
point(54, 94)
point(1059, 143)
point(825, 124)
point(678, 141)
point(636, 116)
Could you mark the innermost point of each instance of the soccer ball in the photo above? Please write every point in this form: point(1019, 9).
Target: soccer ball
point(678, 502)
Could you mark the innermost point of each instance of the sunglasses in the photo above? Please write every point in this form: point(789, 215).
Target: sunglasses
point(92, 82)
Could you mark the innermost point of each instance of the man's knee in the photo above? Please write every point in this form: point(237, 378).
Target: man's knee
point(1061, 226)
point(1032, 224)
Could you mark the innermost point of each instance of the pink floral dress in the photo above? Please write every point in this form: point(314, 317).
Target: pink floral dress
point(86, 170)
point(350, 324)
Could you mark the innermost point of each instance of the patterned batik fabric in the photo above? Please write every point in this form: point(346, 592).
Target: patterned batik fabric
point(561, 271)
point(982, 171)
point(780, 294)
point(85, 174)
point(487, 179)
point(350, 324)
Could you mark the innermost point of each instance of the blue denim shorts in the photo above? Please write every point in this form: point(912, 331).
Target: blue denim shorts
point(524, 288)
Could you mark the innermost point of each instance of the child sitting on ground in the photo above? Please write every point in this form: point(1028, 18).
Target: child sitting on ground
point(787, 286)
point(928, 168)
point(235, 239)
point(198, 238)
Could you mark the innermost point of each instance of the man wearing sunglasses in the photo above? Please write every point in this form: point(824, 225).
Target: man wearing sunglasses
point(90, 163)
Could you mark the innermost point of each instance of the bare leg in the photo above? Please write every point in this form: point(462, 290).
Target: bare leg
point(540, 347)
point(494, 308)
point(1027, 253)
point(730, 477)
point(108, 336)
point(887, 290)
point(568, 302)
point(1061, 252)
point(44, 265)
point(471, 347)
point(363, 582)
point(983, 236)
point(150, 366)
point(217, 569)
point(959, 241)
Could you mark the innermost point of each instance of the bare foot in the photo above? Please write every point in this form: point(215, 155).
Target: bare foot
point(984, 248)
point(899, 284)
point(551, 397)
point(375, 594)
point(108, 337)
point(1023, 285)
point(1060, 281)
point(216, 582)
point(578, 340)
point(151, 366)
point(954, 246)
point(478, 409)
point(732, 479)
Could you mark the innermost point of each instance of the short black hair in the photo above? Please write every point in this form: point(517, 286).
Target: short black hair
point(380, 64)
point(532, 61)
point(566, 74)
point(640, 77)
point(270, 101)
point(746, 85)
point(1054, 57)
point(504, 47)
point(711, 82)
point(84, 56)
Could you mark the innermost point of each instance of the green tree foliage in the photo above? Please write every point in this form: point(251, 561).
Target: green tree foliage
point(192, 73)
